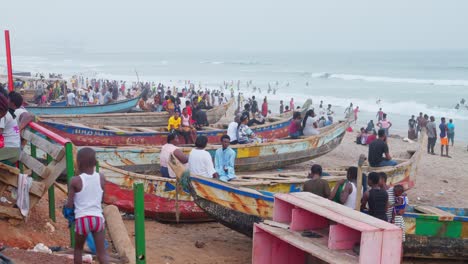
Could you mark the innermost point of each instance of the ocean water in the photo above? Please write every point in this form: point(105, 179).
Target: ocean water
point(406, 82)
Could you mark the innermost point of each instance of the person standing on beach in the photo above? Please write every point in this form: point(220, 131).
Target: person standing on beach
point(443, 138)
point(85, 197)
point(451, 131)
point(431, 131)
point(380, 115)
point(370, 126)
point(291, 104)
point(281, 107)
point(376, 197)
point(265, 107)
point(316, 184)
point(330, 113)
point(348, 110)
point(356, 110)
point(420, 122)
point(385, 124)
point(412, 134)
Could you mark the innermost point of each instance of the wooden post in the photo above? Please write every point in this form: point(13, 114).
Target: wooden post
point(11, 86)
point(51, 193)
point(359, 188)
point(70, 174)
point(34, 155)
point(139, 202)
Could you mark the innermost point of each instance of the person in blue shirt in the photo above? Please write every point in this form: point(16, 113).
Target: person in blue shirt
point(225, 160)
point(451, 131)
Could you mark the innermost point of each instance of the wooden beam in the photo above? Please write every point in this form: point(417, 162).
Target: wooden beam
point(116, 129)
point(37, 188)
point(145, 129)
point(55, 151)
point(35, 165)
point(10, 212)
point(427, 209)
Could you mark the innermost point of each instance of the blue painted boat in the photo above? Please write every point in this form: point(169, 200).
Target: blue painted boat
point(115, 107)
point(58, 103)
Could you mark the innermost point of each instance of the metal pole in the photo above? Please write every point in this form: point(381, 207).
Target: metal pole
point(70, 174)
point(51, 193)
point(8, 57)
point(139, 202)
point(34, 155)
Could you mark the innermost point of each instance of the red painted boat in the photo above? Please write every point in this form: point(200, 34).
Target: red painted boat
point(161, 200)
point(84, 135)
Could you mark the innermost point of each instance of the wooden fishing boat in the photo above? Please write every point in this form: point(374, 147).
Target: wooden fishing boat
point(115, 107)
point(250, 157)
point(142, 119)
point(163, 201)
point(436, 232)
point(225, 200)
point(113, 135)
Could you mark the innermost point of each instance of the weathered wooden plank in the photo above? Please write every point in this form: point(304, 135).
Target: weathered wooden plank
point(9, 169)
point(35, 165)
point(427, 209)
point(145, 129)
point(113, 128)
point(37, 188)
point(55, 151)
point(10, 212)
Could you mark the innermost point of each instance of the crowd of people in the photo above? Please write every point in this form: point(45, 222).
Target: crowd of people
point(380, 201)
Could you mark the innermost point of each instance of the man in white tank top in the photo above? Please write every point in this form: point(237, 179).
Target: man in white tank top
point(85, 196)
point(345, 191)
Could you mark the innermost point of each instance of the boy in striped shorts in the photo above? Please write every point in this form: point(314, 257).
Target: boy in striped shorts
point(85, 196)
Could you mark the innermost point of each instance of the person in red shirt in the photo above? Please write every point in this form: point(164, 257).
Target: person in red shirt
point(189, 108)
point(265, 107)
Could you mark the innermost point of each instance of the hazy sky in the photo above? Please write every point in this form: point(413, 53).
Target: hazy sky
point(240, 25)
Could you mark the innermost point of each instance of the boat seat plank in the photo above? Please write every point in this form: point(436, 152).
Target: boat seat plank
point(55, 151)
point(427, 209)
point(317, 247)
point(113, 128)
point(145, 129)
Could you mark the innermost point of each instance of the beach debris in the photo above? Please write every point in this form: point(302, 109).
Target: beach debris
point(445, 181)
point(199, 244)
point(50, 227)
point(118, 233)
point(42, 248)
point(408, 140)
point(4, 200)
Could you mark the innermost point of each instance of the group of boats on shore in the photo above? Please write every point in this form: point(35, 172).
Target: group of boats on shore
point(128, 148)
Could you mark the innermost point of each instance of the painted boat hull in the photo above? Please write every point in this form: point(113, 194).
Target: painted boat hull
point(88, 136)
point(250, 157)
point(142, 119)
point(160, 198)
point(431, 236)
point(116, 107)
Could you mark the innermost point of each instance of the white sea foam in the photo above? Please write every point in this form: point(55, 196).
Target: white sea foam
point(367, 78)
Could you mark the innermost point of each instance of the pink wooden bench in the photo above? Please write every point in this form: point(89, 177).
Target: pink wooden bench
point(340, 228)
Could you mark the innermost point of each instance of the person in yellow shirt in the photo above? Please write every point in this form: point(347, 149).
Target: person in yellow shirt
point(173, 125)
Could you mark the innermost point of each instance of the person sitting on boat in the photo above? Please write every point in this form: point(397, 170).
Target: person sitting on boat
point(22, 116)
point(245, 135)
point(200, 118)
point(71, 98)
point(295, 127)
point(186, 127)
point(173, 124)
point(108, 96)
point(345, 191)
point(378, 148)
point(225, 159)
point(143, 105)
point(316, 184)
point(166, 151)
point(200, 161)
point(232, 129)
point(310, 124)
